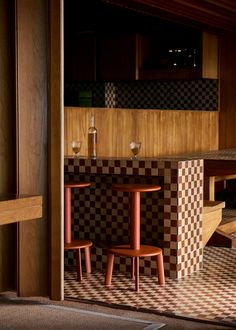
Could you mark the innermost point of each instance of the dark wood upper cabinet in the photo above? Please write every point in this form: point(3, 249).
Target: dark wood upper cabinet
point(116, 57)
point(133, 46)
point(193, 57)
point(80, 57)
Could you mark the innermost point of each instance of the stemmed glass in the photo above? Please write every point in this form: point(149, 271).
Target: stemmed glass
point(76, 146)
point(135, 148)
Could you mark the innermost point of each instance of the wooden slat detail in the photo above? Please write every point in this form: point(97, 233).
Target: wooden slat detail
point(162, 132)
point(20, 209)
point(23, 214)
point(227, 119)
point(19, 203)
point(210, 56)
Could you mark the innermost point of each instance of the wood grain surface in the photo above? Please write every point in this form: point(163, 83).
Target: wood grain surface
point(7, 141)
point(56, 116)
point(31, 127)
point(161, 132)
point(20, 209)
point(227, 119)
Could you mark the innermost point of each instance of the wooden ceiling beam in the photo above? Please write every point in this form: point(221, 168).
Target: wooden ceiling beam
point(225, 4)
point(210, 13)
point(209, 8)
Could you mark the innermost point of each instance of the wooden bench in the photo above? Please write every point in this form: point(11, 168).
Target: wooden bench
point(212, 216)
point(224, 233)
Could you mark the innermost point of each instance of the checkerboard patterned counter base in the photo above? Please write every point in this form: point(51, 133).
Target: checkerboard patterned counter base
point(171, 218)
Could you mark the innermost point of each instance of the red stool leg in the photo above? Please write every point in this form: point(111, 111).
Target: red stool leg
point(160, 269)
point(78, 264)
point(87, 259)
point(109, 268)
point(133, 268)
point(137, 273)
point(135, 221)
point(67, 215)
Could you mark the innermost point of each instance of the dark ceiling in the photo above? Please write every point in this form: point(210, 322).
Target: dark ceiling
point(219, 16)
point(100, 16)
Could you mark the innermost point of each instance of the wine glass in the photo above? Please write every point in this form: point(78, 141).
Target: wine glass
point(135, 148)
point(76, 146)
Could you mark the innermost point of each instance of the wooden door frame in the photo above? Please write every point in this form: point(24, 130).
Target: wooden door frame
point(56, 147)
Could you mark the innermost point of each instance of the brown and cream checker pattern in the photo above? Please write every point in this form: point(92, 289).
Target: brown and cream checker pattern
point(102, 215)
point(171, 218)
point(208, 295)
point(190, 207)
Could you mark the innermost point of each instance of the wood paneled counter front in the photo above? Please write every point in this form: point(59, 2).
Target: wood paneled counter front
point(170, 218)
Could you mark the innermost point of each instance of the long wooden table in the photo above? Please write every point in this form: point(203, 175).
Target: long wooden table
point(219, 165)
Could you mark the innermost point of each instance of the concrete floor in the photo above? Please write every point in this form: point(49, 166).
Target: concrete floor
point(42, 313)
point(170, 323)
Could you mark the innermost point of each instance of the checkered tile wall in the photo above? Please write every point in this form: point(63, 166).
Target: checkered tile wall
point(170, 218)
point(201, 94)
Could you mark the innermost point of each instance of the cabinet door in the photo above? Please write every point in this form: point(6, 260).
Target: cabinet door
point(80, 58)
point(116, 57)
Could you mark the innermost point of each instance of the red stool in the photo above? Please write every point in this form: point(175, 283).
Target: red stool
point(134, 249)
point(75, 244)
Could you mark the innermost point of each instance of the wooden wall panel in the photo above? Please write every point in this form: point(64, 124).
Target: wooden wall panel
point(31, 90)
point(161, 132)
point(7, 141)
point(210, 58)
point(227, 119)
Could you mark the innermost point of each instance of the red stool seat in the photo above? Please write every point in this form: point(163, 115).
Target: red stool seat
point(127, 251)
point(70, 244)
point(134, 249)
point(77, 244)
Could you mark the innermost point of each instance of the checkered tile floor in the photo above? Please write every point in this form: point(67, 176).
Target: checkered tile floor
point(209, 294)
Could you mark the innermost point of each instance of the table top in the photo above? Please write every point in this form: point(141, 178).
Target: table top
point(222, 154)
point(130, 187)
